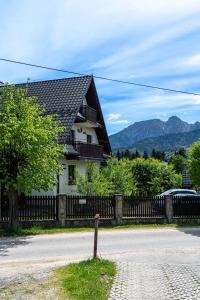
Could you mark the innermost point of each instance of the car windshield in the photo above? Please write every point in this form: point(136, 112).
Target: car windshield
point(183, 192)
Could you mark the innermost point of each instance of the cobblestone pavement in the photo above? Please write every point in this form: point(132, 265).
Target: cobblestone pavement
point(139, 281)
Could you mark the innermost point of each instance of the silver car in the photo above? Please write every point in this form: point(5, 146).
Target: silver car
point(180, 192)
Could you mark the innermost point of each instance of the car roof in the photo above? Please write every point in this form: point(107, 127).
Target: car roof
point(178, 190)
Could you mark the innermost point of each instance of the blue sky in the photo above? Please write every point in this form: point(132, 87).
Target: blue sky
point(145, 41)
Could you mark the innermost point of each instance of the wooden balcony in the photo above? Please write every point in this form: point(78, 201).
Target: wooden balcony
point(89, 150)
point(89, 113)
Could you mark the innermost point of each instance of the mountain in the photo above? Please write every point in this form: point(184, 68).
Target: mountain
point(149, 129)
point(168, 142)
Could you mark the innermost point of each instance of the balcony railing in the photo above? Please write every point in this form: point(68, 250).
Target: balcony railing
point(89, 150)
point(89, 113)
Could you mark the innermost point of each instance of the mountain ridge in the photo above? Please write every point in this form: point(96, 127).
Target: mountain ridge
point(168, 142)
point(152, 128)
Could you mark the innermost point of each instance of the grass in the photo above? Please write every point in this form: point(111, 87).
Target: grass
point(87, 280)
point(35, 230)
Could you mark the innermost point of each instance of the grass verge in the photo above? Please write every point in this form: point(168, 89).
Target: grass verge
point(87, 280)
point(42, 230)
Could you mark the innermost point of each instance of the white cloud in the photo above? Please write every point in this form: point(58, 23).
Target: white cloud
point(114, 118)
point(147, 41)
point(193, 61)
point(120, 122)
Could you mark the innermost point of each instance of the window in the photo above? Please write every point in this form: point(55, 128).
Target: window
point(71, 174)
point(89, 139)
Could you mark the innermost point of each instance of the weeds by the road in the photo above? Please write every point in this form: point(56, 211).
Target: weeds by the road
point(87, 280)
point(42, 230)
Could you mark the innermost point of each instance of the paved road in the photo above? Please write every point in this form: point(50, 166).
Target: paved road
point(136, 251)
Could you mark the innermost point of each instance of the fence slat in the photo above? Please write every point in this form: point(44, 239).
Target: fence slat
point(143, 207)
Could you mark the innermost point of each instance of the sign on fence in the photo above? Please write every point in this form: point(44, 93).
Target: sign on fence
point(82, 201)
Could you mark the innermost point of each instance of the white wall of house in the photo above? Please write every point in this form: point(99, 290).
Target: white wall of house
point(64, 187)
point(81, 133)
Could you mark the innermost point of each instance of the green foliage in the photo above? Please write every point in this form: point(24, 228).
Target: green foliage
point(153, 176)
point(119, 175)
point(91, 279)
point(93, 183)
point(194, 163)
point(115, 177)
point(145, 155)
point(129, 177)
point(181, 151)
point(178, 162)
point(28, 142)
point(158, 154)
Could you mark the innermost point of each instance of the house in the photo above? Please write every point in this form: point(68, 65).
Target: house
point(76, 103)
point(186, 181)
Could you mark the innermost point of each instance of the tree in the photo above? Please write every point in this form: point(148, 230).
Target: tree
point(137, 154)
point(153, 153)
point(29, 148)
point(93, 182)
point(194, 163)
point(182, 152)
point(127, 154)
point(153, 176)
point(133, 156)
point(119, 175)
point(118, 154)
point(178, 162)
point(115, 177)
point(145, 155)
point(158, 155)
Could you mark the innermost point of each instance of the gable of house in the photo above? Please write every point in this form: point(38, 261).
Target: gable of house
point(66, 98)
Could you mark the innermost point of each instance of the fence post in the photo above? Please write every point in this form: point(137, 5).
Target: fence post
point(118, 208)
point(169, 208)
point(61, 209)
point(0, 200)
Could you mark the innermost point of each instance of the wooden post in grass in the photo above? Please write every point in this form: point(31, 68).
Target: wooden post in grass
point(96, 225)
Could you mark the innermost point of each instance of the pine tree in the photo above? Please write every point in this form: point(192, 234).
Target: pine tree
point(133, 156)
point(118, 155)
point(137, 154)
point(153, 153)
point(127, 154)
point(145, 155)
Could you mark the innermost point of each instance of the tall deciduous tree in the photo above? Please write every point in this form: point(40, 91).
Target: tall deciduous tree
point(153, 176)
point(194, 163)
point(115, 177)
point(29, 148)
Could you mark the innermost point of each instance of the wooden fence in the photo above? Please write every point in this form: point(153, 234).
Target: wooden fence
point(85, 207)
point(143, 207)
point(186, 207)
point(32, 208)
point(112, 208)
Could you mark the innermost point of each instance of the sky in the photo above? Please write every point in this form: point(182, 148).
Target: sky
point(142, 41)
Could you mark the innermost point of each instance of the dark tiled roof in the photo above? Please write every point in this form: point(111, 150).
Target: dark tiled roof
point(61, 96)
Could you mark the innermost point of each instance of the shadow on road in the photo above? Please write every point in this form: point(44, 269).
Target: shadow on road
point(7, 243)
point(191, 231)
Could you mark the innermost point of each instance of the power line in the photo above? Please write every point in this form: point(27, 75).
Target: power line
point(100, 77)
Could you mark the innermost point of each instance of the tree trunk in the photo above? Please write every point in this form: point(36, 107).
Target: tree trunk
point(13, 208)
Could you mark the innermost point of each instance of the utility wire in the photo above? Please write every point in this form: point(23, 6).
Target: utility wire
point(100, 77)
